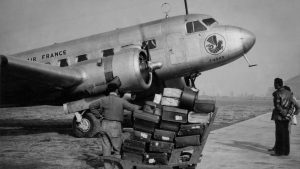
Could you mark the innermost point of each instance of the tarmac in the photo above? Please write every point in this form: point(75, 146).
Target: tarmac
point(245, 145)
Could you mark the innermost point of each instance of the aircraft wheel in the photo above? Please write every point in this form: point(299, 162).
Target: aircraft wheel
point(88, 126)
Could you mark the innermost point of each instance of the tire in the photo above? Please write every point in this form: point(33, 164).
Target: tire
point(89, 127)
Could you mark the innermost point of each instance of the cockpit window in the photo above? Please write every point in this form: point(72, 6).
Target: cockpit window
point(198, 26)
point(189, 27)
point(194, 26)
point(209, 21)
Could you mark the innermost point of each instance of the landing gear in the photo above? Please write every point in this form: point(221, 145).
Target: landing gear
point(88, 126)
point(190, 80)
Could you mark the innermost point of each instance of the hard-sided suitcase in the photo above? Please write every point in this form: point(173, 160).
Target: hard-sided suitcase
point(168, 101)
point(161, 146)
point(204, 106)
point(171, 126)
point(145, 116)
point(174, 114)
point(142, 136)
point(191, 129)
point(164, 135)
point(134, 146)
point(157, 98)
point(172, 92)
point(203, 118)
point(188, 97)
point(143, 125)
point(185, 141)
point(132, 157)
point(156, 158)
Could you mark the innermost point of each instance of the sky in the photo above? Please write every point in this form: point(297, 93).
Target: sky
point(29, 24)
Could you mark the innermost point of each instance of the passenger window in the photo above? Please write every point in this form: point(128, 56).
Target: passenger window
point(189, 27)
point(151, 44)
point(63, 63)
point(198, 26)
point(108, 52)
point(81, 58)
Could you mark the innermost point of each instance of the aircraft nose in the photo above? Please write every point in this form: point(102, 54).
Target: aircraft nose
point(248, 39)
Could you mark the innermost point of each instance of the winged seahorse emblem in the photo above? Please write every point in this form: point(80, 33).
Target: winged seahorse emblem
point(214, 45)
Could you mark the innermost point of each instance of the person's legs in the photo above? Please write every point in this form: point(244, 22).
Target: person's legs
point(278, 142)
point(106, 148)
point(286, 138)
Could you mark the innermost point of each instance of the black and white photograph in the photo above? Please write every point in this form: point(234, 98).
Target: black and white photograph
point(139, 84)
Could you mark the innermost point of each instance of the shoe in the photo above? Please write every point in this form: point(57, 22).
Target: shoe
point(275, 154)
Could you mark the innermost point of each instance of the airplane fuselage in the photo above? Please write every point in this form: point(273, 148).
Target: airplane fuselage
point(181, 51)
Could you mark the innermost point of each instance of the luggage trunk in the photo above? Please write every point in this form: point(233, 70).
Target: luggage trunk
point(143, 125)
point(132, 157)
point(134, 146)
point(156, 158)
point(146, 116)
point(188, 98)
point(191, 129)
point(171, 126)
point(142, 136)
point(168, 101)
point(203, 118)
point(161, 146)
point(164, 135)
point(172, 92)
point(174, 114)
point(188, 141)
point(204, 106)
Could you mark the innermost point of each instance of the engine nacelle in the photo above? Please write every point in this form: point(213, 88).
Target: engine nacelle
point(130, 65)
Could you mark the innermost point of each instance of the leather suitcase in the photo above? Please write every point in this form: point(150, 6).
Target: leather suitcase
point(156, 158)
point(204, 106)
point(134, 146)
point(143, 125)
point(157, 98)
point(172, 92)
point(142, 136)
point(191, 129)
point(174, 114)
point(203, 118)
point(132, 157)
point(171, 126)
point(161, 146)
point(186, 141)
point(164, 135)
point(168, 101)
point(145, 116)
point(188, 97)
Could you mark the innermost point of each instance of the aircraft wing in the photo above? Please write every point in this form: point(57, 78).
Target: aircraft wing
point(23, 80)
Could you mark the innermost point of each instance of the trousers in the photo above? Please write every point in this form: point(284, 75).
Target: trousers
point(111, 141)
point(282, 145)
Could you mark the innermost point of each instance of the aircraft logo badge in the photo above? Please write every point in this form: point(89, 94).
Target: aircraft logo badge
point(214, 44)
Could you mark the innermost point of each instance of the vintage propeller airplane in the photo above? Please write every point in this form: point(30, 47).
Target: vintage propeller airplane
point(169, 52)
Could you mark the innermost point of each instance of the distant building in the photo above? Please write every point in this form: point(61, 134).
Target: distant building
point(294, 84)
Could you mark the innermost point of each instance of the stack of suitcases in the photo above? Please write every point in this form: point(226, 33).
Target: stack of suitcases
point(175, 119)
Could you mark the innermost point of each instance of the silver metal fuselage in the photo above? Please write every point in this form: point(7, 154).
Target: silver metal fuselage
point(180, 52)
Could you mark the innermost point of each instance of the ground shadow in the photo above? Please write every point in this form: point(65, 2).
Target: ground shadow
point(248, 146)
point(93, 160)
point(15, 127)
